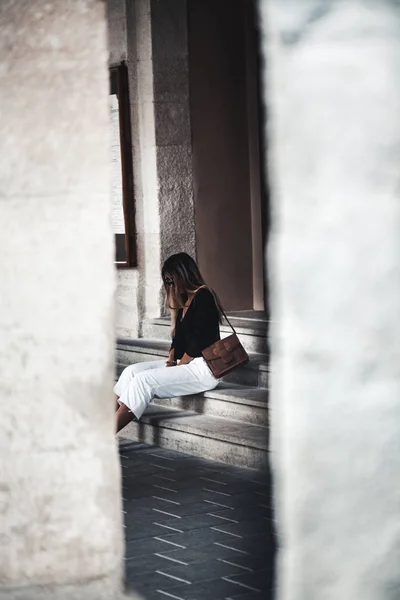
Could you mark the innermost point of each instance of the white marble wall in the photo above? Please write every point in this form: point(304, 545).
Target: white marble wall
point(332, 88)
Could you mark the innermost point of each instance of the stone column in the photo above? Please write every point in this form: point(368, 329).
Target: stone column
point(60, 514)
point(333, 94)
point(157, 52)
point(172, 126)
point(140, 68)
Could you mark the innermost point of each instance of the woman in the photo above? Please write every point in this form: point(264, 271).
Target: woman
point(196, 315)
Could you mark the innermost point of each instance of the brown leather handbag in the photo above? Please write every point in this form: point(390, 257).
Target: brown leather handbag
point(225, 355)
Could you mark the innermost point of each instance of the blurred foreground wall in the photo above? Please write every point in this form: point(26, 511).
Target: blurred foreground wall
point(332, 88)
point(60, 514)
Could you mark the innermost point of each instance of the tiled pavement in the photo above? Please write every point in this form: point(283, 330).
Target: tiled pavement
point(195, 530)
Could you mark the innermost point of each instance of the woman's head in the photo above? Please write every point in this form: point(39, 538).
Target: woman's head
point(181, 277)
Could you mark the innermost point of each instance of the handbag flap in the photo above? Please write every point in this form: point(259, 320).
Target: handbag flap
point(231, 343)
point(222, 348)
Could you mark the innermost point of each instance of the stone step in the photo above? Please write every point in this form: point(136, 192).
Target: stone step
point(229, 401)
point(227, 441)
point(249, 315)
point(130, 351)
point(246, 405)
point(252, 333)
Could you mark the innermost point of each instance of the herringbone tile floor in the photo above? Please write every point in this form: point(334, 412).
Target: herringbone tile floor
point(195, 530)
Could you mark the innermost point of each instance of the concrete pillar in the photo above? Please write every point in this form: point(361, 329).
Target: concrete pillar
point(140, 68)
point(172, 126)
point(151, 36)
point(157, 54)
point(127, 317)
point(333, 94)
point(117, 35)
point(60, 514)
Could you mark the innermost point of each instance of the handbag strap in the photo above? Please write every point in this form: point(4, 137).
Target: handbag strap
point(216, 303)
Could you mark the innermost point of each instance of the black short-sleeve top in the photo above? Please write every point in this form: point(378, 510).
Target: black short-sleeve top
point(198, 328)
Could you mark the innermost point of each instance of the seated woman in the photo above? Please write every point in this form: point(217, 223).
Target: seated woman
point(196, 315)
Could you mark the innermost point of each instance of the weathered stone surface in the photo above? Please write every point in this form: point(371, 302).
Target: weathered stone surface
point(92, 590)
point(171, 81)
point(158, 71)
point(127, 309)
point(176, 199)
point(333, 95)
point(59, 477)
point(169, 31)
point(172, 123)
point(117, 37)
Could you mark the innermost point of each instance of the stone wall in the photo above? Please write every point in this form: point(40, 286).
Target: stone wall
point(333, 93)
point(117, 34)
point(60, 512)
point(127, 312)
point(172, 127)
point(151, 35)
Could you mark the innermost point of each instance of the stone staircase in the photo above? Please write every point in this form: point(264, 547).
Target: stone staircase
point(228, 424)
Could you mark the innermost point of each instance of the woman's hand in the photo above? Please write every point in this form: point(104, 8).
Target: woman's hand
point(185, 360)
point(171, 362)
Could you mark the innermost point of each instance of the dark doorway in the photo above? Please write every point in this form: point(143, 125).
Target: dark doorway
point(224, 99)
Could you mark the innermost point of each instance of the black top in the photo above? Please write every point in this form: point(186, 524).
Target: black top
point(199, 328)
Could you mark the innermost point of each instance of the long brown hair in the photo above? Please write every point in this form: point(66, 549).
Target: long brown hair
point(182, 278)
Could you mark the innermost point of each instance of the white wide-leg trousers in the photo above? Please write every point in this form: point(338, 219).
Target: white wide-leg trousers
point(140, 383)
